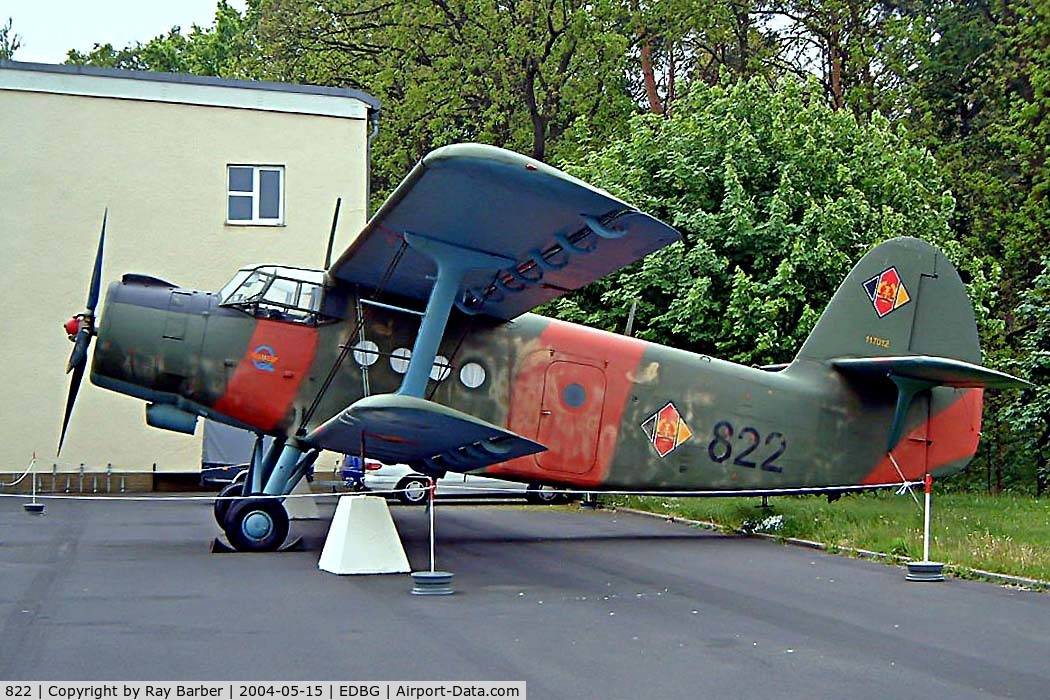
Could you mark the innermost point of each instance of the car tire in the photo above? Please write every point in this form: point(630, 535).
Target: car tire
point(544, 495)
point(412, 490)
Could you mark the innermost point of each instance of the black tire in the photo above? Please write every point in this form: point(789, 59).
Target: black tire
point(413, 490)
point(544, 495)
point(222, 507)
point(256, 524)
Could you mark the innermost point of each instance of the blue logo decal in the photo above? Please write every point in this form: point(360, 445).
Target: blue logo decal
point(264, 358)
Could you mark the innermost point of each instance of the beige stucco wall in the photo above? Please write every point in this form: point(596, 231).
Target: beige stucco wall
point(160, 168)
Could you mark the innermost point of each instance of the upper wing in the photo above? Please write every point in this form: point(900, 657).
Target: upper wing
point(562, 232)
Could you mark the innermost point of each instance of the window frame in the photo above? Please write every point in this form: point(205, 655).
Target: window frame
point(255, 195)
point(258, 305)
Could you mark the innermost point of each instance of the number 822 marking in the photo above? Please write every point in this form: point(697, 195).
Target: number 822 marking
point(722, 447)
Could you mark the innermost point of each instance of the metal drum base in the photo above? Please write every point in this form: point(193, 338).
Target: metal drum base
point(925, 571)
point(432, 583)
point(33, 507)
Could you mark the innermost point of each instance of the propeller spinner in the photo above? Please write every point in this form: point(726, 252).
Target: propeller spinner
point(80, 329)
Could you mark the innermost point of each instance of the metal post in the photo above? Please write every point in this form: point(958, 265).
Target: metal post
point(109, 477)
point(432, 582)
point(926, 570)
point(81, 477)
point(926, 521)
point(433, 489)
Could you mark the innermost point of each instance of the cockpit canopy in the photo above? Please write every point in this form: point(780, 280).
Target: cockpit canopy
point(291, 294)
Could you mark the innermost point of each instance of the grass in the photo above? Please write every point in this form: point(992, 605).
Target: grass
point(1005, 534)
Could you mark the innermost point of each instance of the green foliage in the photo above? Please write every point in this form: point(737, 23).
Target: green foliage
point(517, 74)
point(219, 50)
point(1006, 534)
point(1030, 415)
point(776, 196)
point(9, 41)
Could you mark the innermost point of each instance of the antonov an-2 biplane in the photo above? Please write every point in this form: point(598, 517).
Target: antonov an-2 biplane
point(888, 386)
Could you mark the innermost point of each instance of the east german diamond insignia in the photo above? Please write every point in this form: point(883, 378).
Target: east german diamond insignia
point(666, 430)
point(886, 291)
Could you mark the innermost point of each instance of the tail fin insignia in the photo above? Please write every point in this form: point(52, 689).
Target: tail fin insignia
point(887, 291)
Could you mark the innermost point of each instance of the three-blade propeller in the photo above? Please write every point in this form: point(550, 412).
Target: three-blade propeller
point(81, 328)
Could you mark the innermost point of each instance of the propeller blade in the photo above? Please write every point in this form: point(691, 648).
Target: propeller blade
point(74, 387)
point(96, 275)
point(80, 347)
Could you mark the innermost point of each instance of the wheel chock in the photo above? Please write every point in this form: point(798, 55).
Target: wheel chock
point(295, 545)
point(220, 546)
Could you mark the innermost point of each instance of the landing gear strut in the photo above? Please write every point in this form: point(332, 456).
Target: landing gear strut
point(254, 524)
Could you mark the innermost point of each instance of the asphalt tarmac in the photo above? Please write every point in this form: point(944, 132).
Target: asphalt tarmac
point(578, 604)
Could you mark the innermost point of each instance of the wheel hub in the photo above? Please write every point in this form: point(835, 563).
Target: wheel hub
point(257, 525)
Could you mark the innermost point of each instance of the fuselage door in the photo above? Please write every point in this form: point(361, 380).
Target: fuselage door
point(570, 417)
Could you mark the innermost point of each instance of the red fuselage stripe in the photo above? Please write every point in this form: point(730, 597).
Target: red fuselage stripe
point(267, 379)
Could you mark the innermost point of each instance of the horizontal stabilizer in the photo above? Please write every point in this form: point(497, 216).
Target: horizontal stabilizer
point(941, 371)
point(404, 429)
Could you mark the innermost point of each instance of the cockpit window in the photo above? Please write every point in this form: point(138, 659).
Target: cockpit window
point(280, 293)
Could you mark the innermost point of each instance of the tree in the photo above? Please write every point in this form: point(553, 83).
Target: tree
point(223, 49)
point(776, 195)
point(9, 41)
point(1029, 415)
point(515, 74)
point(860, 50)
point(683, 40)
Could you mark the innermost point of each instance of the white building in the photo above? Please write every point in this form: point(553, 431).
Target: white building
point(200, 176)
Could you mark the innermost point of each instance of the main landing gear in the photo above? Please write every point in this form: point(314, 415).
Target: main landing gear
point(253, 523)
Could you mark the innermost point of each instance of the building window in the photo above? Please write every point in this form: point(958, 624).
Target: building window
point(255, 195)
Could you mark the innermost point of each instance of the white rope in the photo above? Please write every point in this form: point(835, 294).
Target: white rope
point(18, 481)
point(480, 489)
point(905, 486)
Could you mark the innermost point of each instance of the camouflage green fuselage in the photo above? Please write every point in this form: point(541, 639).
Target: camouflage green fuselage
point(615, 412)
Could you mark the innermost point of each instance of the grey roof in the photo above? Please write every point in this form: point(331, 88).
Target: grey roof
point(188, 79)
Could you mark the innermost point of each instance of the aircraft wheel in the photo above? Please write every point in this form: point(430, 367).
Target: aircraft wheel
point(413, 491)
point(256, 524)
point(222, 507)
point(544, 495)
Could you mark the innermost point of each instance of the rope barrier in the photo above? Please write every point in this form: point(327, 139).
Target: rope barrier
point(481, 489)
point(18, 481)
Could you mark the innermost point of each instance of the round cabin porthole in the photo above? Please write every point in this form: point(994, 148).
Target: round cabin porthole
point(366, 353)
point(472, 375)
point(441, 369)
point(399, 360)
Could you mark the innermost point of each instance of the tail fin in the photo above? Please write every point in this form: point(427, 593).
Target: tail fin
point(903, 298)
point(903, 315)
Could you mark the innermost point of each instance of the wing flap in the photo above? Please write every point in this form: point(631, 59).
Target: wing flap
point(404, 429)
point(561, 232)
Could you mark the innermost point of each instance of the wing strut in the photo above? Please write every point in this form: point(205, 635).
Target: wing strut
point(453, 262)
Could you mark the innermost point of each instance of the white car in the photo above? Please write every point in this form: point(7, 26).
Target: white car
point(411, 486)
